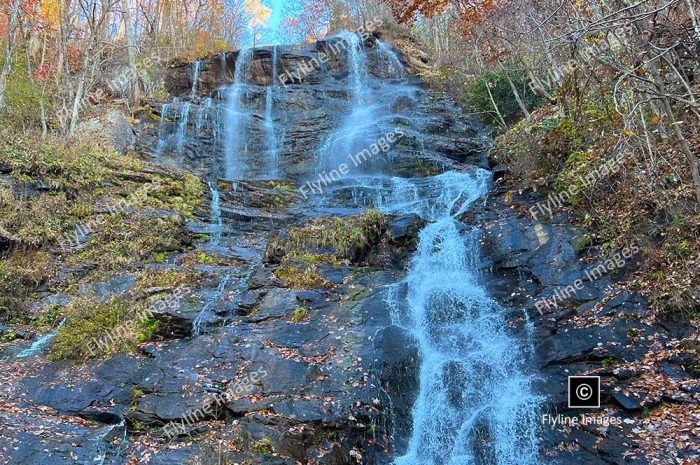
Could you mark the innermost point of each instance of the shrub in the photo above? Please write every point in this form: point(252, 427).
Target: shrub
point(21, 274)
point(124, 240)
point(88, 321)
point(23, 98)
point(497, 83)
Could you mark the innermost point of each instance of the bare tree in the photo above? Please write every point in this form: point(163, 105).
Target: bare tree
point(13, 19)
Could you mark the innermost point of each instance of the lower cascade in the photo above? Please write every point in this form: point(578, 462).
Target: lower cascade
point(475, 404)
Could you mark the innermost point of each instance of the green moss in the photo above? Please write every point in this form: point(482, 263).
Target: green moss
point(182, 194)
point(299, 314)
point(9, 336)
point(263, 446)
point(341, 238)
point(204, 259)
point(62, 167)
point(317, 258)
point(34, 221)
point(75, 178)
point(301, 278)
point(136, 394)
point(51, 318)
point(93, 329)
point(581, 242)
point(166, 279)
point(682, 249)
point(21, 274)
point(124, 240)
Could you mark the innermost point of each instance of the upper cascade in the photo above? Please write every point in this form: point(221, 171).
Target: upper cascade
point(345, 103)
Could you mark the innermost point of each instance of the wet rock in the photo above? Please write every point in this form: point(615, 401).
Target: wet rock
point(103, 291)
point(399, 371)
point(404, 229)
point(625, 402)
point(574, 344)
point(277, 303)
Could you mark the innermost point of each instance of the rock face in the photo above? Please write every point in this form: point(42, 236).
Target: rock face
point(297, 367)
point(308, 102)
point(288, 350)
point(580, 324)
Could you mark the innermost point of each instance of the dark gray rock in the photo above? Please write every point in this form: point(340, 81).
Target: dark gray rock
point(625, 402)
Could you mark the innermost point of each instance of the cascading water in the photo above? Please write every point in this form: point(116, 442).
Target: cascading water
point(165, 114)
point(475, 405)
point(196, 69)
point(224, 74)
point(271, 135)
point(235, 116)
point(38, 346)
point(371, 115)
point(181, 136)
point(395, 66)
point(197, 324)
point(361, 124)
point(269, 122)
point(215, 222)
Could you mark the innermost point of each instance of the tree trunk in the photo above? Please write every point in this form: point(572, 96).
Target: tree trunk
point(135, 87)
point(518, 99)
point(7, 66)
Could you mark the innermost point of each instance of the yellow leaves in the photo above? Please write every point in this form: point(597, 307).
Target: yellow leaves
point(259, 13)
point(50, 11)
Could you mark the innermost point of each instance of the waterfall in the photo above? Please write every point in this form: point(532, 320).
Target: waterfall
point(215, 221)
point(235, 116)
point(196, 69)
point(271, 137)
point(360, 127)
point(224, 74)
point(203, 113)
point(199, 319)
point(393, 63)
point(162, 127)
point(38, 346)
point(181, 136)
point(475, 405)
point(357, 65)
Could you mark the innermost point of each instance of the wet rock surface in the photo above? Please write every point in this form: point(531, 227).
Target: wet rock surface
point(308, 366)
point(282, 372)
point(595, 328)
